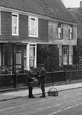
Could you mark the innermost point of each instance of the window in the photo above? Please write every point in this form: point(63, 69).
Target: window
point(32, 55)
point(80, 63)
point(65, 51)
point(33, 26)
point(70, 59)
point(70, 55)
point(25, 57)
point(65, 55)
point(15, 23)
point(60, 30)
point(70, 32)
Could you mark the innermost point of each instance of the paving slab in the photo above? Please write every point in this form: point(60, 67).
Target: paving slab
point(21, 93)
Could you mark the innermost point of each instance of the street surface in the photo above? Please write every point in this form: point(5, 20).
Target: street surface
point(68, 102)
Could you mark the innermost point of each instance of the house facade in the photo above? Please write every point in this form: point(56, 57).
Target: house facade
point(23, 25)
point(77, 15)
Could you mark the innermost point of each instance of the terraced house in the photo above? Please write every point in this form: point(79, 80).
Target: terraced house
point(77, 15)
point(26, 23)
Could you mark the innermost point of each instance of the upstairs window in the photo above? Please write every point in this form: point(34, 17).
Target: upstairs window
point(15, 23)
point(70, 32)
point(33, 26)
point(60, 30)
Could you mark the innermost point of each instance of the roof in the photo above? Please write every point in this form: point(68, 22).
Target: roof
point(78, 18)
point(50, 8)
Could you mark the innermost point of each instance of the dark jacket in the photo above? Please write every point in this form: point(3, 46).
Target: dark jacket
point(30, 76)
point(42, 74)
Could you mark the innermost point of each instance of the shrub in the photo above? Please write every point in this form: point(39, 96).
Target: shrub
point(49, 56)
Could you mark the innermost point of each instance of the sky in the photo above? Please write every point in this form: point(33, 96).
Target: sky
point(72, 3)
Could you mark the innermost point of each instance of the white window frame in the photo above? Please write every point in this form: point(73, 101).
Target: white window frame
point(70, 55)
point(17, 25)
point(32, 30)
point(60, 27)
point(28, 55)
point(25, 57)
point(65, 55)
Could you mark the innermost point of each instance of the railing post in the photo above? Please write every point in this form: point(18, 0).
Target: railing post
point(53, 77)
point(15, 81)
point(65, 75)
point(77, 72)
point(70, 75)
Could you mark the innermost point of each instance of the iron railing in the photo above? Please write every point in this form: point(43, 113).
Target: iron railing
point(15, 81)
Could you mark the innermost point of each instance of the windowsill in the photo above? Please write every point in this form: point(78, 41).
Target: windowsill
point(59, 38)
point(70, 39)
point(15, 35)
point(33, 36)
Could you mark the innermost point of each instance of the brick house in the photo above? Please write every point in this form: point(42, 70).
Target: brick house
point(26, 23)
point(77, 15)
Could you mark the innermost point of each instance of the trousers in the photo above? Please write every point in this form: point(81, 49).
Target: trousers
point(30, 91)
point(42, 88)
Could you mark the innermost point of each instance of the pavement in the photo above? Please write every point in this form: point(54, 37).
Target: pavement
point(21, 93)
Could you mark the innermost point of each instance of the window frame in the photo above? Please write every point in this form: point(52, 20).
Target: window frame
point(17, 26)
point(32, 55)
point(60, 30)
point(65, 52)
point(30, 28)
point(70, 32)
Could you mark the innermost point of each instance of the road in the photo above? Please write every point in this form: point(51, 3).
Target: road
point(67, 102)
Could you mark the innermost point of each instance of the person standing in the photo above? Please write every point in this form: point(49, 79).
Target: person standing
point(42, 75)
point(30, 79)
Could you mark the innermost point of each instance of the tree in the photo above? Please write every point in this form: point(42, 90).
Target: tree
point(49, 56)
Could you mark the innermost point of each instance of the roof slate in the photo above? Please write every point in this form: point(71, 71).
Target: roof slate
point(50, 8)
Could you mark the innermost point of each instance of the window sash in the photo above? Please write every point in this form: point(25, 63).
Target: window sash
point(70, 59)
point(70, 32)
point(65, 55)
point(32, 55)
point(60, 30)
point(14, 24)
point(65, 51)
point(33, 26)
point(65, 60)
